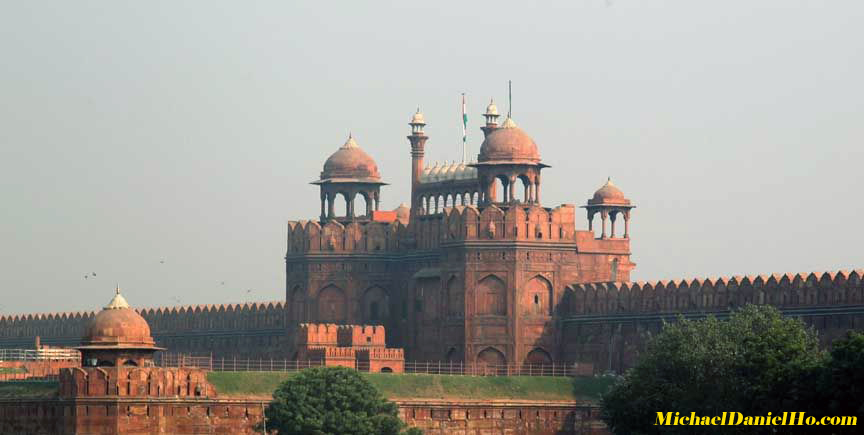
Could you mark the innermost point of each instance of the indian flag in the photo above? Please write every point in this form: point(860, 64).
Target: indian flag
point(464, 131)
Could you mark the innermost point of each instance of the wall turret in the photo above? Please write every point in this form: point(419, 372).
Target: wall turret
point(418, 144)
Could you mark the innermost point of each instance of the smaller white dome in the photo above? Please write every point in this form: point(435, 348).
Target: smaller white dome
point(491, 109)
point(418, 118)
point(462, 171)
point(434, 173)
point(451, 171)
point(424, 176)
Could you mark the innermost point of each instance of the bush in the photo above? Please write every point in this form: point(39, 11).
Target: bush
point(331, 400)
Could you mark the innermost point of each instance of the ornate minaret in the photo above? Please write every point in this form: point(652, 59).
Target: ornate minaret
point(491, 118)
point(418, 143)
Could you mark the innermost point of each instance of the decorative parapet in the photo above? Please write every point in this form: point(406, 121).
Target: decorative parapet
point(715, 294)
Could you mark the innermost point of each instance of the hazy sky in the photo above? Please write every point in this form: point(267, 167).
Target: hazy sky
point(133, 133)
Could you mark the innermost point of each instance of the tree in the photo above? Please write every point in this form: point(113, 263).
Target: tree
point(839, 386)
point(752, 363)
point(331, 400)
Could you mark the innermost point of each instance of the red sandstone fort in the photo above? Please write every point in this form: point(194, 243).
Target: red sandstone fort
point(474, 270)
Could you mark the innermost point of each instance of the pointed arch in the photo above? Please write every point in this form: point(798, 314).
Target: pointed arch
point(376, 306)
point(455, 298)
point(491, 296)
point(537, 297)
point(492, 361)
point(298, 304)
point(332, 305)
point(538, 356)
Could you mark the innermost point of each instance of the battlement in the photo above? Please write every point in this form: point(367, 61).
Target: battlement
point(150, 312)
point(715, 294)
point(311, 236)
point(340, 352)
point(134, 382)
point(317, 334)
point(362, 336)
point(379, 353)
point(515, 222)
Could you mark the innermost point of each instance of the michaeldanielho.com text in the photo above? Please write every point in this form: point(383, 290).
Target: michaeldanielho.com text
point(738, 419)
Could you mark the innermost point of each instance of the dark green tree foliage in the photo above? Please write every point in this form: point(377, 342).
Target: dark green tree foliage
point(752, 363)
point(331, 400)
point(843, 378)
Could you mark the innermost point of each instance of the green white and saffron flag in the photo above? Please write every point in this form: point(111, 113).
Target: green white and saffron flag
point(464, 130)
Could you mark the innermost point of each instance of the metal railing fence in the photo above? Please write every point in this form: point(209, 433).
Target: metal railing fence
point(50, 354)
point(233, 364)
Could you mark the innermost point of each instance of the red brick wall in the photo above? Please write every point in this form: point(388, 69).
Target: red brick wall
point(113, 415)
point(119, 416)
point(471, 417)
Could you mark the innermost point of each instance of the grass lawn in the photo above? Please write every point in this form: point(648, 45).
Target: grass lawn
point(395, 386)
point(28, 389)
point(247, 383)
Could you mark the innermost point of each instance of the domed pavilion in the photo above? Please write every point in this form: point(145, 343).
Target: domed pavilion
point(349, 172)
point(510, 156)
point(609, 201)
point(118, 336)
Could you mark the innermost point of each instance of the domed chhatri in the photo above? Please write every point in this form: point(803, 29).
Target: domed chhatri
point(350, 162)
point(508, 144)
point(609, 193)
point(609, 202)
point(118, 335)
point(403, 213)
point(349, 173)
point(418, 118)
point(491, 109)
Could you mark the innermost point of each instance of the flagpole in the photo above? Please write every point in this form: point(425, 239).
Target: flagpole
point(510, 98)
point(464, 130)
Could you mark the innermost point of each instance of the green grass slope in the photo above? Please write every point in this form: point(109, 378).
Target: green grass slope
point(28, 389)
point(394, 386)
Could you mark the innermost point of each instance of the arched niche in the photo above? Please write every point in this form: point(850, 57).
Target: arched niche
point(375, 305)
point(455, 298)
point(332, 305)
point(538, 356)
point(298, 305)
point(491, 296)
point(492, 361)
point(537, 297)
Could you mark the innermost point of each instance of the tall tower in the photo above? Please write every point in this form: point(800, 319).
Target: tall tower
point(418, 144)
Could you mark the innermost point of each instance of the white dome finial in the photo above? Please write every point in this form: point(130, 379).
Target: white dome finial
point(350, 143)
point(118, 301)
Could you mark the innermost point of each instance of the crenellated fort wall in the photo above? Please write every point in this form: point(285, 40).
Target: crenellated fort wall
point(608, 323)
point(602, 323)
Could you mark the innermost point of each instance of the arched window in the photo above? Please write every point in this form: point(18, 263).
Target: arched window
point(537, 297)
